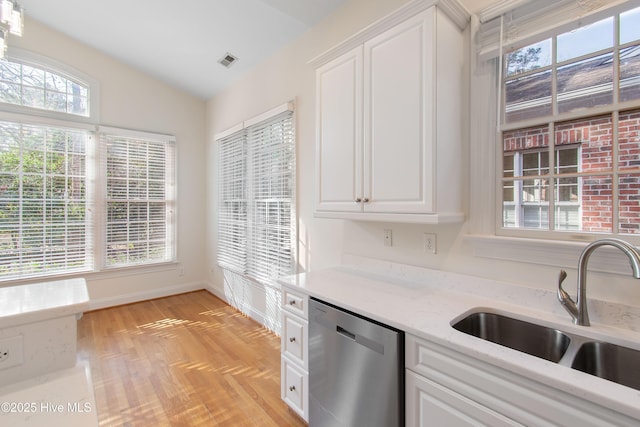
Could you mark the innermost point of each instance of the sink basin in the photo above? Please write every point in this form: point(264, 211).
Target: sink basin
point(609, 361)
point(536, 340)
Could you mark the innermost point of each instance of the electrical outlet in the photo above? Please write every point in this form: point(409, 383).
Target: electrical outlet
point(388, 240)
point(430, 243)
point(11, 352)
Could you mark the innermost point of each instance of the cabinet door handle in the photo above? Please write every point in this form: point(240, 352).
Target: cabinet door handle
point(365, 200)
point(358, 199)
point(292, 388)
point(292, 339)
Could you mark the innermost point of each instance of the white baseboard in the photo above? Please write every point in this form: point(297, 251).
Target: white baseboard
point(95, 304)
point(216, 291)
point(246, 308)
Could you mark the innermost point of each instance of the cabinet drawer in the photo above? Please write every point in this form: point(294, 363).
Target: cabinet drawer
point(294, 383)
point(294, 338)
point(295, 302)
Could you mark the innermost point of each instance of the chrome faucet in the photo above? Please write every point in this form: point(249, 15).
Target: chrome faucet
point(578, 309)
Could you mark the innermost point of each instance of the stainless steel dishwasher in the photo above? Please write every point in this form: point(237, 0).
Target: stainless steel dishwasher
point(356, 370)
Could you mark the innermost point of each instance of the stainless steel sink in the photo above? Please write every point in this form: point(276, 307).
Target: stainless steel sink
point(602, 359)
point(609, 361)
point(530, 338)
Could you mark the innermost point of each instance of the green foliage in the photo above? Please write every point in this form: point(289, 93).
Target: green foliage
point(523, 60)
point(42, 199)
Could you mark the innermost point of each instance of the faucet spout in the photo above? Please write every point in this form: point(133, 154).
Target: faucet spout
point(578, 309)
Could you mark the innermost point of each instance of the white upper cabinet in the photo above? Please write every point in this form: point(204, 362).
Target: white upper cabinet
point(339, 133)
point(389, 124)
point(398, 119)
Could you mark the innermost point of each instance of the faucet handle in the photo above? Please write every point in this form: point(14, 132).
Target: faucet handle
point(561, 277)
point(565, 298)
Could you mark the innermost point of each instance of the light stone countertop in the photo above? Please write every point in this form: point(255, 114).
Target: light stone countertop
point(425, 303)
point(39, 301)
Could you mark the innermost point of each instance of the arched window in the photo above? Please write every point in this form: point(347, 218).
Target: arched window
point(36, 87)
point(76, 196)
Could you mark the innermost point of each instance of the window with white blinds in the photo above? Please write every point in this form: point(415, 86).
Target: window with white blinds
point(256, 215)
point(45, 226)
point(139, 202)
point(76, 197)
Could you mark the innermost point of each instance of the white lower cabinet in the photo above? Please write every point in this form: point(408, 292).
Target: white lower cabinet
point(430, 404)
point(447, 388)
point(294, 371)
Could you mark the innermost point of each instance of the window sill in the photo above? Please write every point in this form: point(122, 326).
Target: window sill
point(549, 253)
point(98, 275)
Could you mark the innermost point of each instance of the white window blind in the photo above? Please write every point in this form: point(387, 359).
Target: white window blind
point(524, 22)
point(45, 226)
point(232, 213)
point(139, 202)
point(256, 172)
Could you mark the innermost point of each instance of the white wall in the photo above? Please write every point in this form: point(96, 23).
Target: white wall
point(283, 77)
point(324, 242)
point(130, 99)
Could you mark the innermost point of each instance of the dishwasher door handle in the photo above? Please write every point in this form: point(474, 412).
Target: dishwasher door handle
point(359, 339)
point(342, 331)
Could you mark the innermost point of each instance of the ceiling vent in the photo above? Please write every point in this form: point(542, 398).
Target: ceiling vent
point(227, 60)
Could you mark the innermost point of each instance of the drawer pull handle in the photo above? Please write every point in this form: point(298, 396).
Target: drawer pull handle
point(292, 339)
point(292, 302)
point(292, 388)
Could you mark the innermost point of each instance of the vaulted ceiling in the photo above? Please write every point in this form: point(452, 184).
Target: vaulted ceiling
point(181, 42)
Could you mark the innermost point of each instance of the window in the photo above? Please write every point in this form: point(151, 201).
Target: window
point(256, 217)
point(74, 197)
point(40, 88)
point(45, 225)
point(570, 130)
point(139, 199)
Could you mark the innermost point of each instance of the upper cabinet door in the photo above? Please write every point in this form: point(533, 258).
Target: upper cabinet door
point(399, 131)
point(339, 134)
point(390, 121)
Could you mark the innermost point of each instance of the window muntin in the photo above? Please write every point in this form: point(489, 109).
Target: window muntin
point(139, 201)
point(578, 108)
point(45, 225)
point(40, 88)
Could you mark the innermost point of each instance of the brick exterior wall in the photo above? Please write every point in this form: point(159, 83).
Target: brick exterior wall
point(629, 158)
point(595, 137)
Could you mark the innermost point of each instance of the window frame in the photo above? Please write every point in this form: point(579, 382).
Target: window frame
point(36, 60)
point(613, 110)
point(239, 248)
point(485, 156)
point(102, 188)
point(89, 220)
point(96, 180)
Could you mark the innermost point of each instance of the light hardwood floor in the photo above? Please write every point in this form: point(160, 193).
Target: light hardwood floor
point(184, 360)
